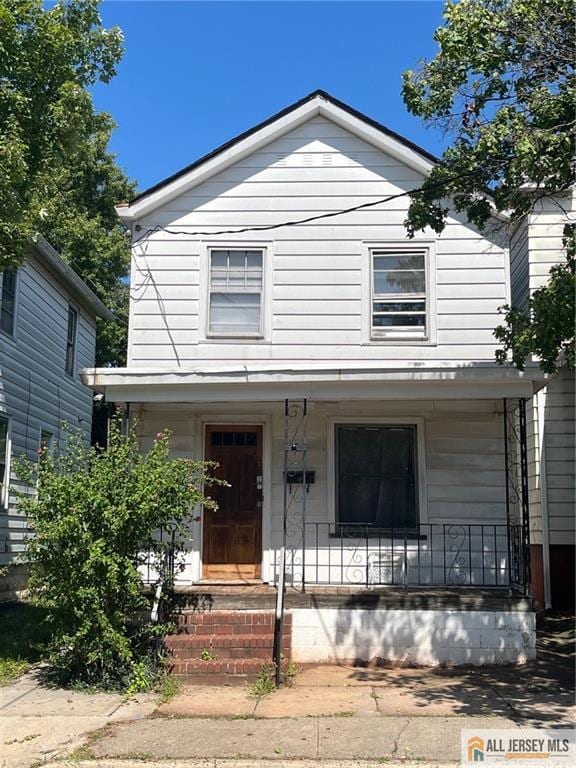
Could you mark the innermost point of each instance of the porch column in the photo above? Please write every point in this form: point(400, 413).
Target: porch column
point(517, 507)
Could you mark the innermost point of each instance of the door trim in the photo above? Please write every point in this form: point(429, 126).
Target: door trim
point(227, 420)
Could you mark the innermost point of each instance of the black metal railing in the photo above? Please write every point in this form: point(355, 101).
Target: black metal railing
point(427, 555)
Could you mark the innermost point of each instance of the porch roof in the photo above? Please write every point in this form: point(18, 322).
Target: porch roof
point(351, 381)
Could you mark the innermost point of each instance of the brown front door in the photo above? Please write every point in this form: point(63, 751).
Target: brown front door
point(232, 542)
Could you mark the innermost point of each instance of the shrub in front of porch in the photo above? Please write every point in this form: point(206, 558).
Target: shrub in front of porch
point(94, 518)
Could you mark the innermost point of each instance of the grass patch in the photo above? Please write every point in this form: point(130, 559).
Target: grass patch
point(24, 635)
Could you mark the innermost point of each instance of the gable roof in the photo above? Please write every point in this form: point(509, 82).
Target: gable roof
point(318, 102)
point(70, 279)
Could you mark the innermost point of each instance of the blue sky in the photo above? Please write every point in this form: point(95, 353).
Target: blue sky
point(195, 74)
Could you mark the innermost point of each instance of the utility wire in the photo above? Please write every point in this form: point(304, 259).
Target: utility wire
point(297, 222)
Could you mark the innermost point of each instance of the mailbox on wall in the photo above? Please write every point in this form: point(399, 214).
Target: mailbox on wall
point(298, 477)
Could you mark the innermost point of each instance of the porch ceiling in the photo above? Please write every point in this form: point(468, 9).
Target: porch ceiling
point(418, 380)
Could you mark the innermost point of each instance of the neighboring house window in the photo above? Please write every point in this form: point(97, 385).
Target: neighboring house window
point(4, 462)
point(46, 440)
point(235, 292)
point(376, 475)
point(71, 340)
point(399, 293)
point(8, 301)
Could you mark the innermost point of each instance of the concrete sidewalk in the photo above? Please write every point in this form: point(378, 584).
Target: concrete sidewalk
point(339, 715)
point(38, 723)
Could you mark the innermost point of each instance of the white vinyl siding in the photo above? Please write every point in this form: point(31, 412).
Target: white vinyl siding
point(317, 290)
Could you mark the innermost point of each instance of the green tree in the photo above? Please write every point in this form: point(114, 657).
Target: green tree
point(57, 177)
point(502, 86)
point(93, 518)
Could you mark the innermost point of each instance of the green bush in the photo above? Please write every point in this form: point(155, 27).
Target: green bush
point(94, 517)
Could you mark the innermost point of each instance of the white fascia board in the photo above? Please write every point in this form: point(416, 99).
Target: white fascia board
point(317, 391)
point(219, 163)
point(525, 383)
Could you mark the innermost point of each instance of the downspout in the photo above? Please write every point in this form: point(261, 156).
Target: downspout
point(540, 405)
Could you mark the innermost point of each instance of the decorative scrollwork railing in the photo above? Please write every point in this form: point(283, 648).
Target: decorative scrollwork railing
point(434, 554)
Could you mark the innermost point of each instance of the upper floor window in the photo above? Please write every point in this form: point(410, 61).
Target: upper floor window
point(4, 462)
point(236, 279)
point(71, 340)
point(8, 300)
point(399, 293)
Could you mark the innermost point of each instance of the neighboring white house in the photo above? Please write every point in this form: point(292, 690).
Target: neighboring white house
point(343, 377)
point(47, 334)
point(536, 246)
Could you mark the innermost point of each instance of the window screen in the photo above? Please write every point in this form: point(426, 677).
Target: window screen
point(399, 292)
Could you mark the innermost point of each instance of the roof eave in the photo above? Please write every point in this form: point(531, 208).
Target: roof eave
point(73, 281)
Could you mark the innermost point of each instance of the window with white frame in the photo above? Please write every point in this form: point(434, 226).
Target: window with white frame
point(399, 300)
point(8, 300)
point(4, 461)
point(236, 280)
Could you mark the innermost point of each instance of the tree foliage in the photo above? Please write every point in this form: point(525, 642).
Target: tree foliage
point(93, 521)
point(502, 85)
point(57, 176)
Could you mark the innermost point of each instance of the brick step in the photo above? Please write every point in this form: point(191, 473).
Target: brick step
point(228, 623)
point(191, 646)
point(220, 672)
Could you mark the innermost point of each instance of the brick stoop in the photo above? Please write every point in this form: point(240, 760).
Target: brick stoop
point(240, 641)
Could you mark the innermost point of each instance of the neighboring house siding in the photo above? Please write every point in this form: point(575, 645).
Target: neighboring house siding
point(536, 247)
point(35, 392)
point(317, 286)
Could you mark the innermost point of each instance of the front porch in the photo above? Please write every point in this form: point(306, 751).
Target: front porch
point(454, 515)
point(376, 517)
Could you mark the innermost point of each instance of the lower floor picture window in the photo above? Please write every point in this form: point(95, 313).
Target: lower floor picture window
point(376, 476)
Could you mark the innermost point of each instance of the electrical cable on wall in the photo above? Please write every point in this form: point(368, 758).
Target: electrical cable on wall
point(297, 222)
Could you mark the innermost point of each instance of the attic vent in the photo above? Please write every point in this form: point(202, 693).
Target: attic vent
point(327, 159)
point(308, 160)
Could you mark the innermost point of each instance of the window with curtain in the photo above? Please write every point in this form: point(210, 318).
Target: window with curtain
point(399, 292)
point(8, 301)
point(236, 279)
point(376, 475)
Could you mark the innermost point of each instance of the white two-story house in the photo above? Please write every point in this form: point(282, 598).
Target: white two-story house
point(342, 376)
